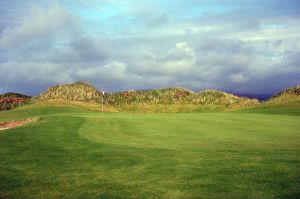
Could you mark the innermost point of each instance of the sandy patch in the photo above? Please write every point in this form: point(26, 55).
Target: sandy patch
point(15, 123)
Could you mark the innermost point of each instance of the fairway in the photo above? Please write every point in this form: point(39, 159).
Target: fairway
point(72, 152)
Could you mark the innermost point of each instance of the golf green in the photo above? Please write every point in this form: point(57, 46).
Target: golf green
point(75, 153)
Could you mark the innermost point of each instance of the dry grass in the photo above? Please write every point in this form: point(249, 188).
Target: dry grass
point(73, 104)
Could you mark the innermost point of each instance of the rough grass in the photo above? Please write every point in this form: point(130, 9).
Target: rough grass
point(72, 152)
point(84, 92)
point(176, 96)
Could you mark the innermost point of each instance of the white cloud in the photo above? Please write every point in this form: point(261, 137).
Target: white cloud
point(238, 78)
point(114, 70)
point(39, 23)
point(181, 45)
point(177, 61)
point(30, 71)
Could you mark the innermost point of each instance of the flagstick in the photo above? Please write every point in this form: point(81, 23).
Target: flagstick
point(102, 102)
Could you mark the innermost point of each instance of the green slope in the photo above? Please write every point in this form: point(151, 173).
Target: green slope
point(285, 104)
point(74, 153)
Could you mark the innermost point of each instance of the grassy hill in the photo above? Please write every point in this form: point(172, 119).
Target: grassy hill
point(295, 90)
point(154, 100)
point(168, 100)
point(286, 101)
point(12, 100)
point(72, 152)
point(78, 91)
point(176, 96)
point(289, 95)
point(176, 100)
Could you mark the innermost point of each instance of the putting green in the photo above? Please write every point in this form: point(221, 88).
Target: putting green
point(74, 153)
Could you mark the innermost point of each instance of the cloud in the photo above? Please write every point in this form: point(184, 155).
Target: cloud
point(159, 21)
point(238, 78)
point(80, 50)
point(251, 25)
point(110, 76)
point(132, 45)
point(176, 61)
point(112, 71)
point(39, 23)
point(19, 76)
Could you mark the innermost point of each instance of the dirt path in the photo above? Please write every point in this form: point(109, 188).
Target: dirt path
point(12, 124)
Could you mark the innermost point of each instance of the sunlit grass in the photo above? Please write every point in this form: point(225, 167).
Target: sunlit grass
point(73, 152)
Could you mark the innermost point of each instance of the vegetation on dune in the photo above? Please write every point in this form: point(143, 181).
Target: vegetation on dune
point(176, 96)
point(78, 91)
point(140, 99)
point(295, 90)
point(154, 100)
point(285, 96)
point(12, 100)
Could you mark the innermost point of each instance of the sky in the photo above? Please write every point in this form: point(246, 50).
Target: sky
point(246, 46)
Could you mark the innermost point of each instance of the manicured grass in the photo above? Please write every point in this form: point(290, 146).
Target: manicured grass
point(72, 152)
